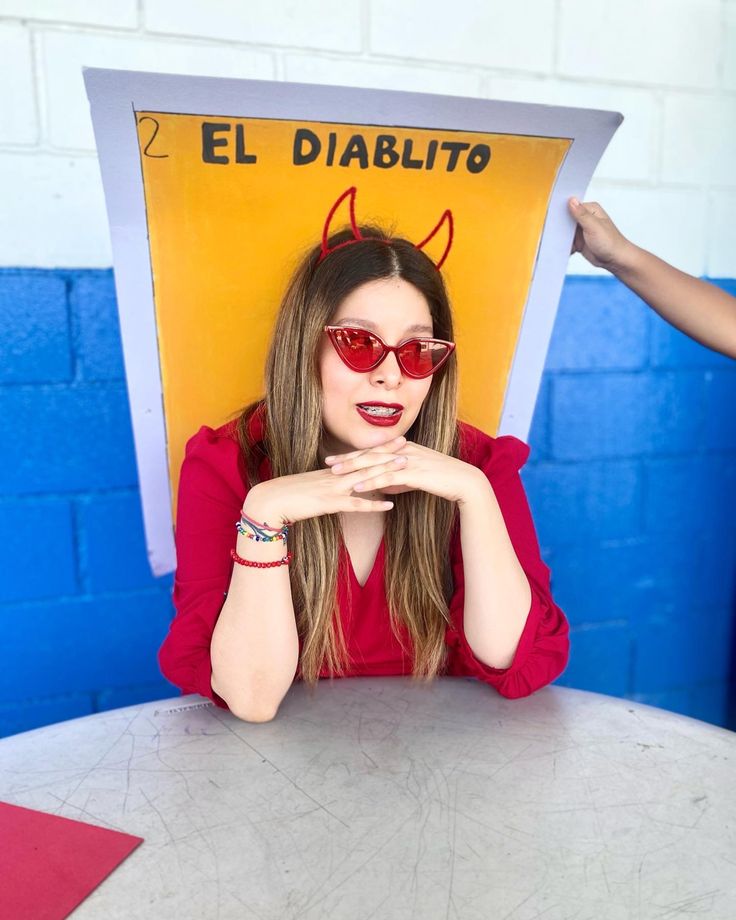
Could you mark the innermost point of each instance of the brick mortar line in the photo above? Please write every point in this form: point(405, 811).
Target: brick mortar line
point(13, 704)
point(696, 685)
point(129, 686)
point(629, 459)
point(61, 600)
point(72, 329)
point(556, 38)
point(36, 90)
point(365, 26)
point(66, 26)
point(595, 625)
point(84, 497)
point(723, 30)
point(72, 383)
point(174, 38)
point(652, 370)
point(39, 85)
point(116, 384)
point(78, 553)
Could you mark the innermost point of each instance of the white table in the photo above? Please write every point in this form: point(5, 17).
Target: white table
point(374, 798)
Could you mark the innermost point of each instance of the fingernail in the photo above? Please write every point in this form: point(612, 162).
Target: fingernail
point(331, 457)
point(576, 202)
point(337, 466)
point(399, 459)
point(359, 487)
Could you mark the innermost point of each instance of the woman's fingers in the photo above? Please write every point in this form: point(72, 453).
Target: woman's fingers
point(375, 477)
point(364, 504)
point(389, 445)
point(363, 461)
point(367, 461)
point(578, 241)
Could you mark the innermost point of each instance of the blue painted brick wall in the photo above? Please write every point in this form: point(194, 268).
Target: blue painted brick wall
point(632, 482)
point(82, 616)
point(35, 334)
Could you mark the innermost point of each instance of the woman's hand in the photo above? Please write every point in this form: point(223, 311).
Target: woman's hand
point(307, 495)
point(597, 237)
point(417, 467)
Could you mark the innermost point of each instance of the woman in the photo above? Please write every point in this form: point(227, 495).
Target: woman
point(370, 539)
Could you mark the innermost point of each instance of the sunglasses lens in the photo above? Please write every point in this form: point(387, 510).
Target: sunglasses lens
point(358, 348)
point(421, 357)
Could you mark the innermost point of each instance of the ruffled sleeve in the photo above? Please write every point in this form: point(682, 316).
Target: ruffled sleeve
point(543, 650)
point(212, 488)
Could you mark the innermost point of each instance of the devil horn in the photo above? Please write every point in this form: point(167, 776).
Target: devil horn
point(351, 192)
point(447, 216)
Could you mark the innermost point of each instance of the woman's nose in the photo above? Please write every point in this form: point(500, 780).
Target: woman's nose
point(388, 369)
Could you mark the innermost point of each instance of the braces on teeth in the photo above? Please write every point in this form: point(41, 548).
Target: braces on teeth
point(374, 410)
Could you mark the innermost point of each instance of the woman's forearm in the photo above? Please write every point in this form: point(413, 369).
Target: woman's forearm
point(255, 645)
point(699, 309)
point(497, 593)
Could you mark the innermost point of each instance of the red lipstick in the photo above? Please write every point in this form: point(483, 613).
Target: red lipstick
point(383, 421)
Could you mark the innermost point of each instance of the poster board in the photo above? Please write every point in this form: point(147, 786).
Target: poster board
point(216, 188)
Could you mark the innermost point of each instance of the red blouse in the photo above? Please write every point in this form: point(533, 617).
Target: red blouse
point(212, 489)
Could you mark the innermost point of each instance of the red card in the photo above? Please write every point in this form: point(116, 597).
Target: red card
point(49, 864)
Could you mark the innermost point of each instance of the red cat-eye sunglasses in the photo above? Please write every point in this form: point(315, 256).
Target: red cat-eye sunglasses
point(362, 351)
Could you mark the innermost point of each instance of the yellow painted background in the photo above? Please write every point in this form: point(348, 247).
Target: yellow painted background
point(224, 240)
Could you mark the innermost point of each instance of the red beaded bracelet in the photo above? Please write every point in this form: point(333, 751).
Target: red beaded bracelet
point(261, 565)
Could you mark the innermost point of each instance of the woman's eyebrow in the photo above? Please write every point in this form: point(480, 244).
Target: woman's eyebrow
point(417, 327)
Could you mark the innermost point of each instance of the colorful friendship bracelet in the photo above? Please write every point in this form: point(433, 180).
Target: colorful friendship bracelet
point(261, 537)
point(264, 525)
point(259, 530)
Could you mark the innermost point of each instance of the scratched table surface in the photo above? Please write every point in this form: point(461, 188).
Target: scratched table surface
point(374, 798)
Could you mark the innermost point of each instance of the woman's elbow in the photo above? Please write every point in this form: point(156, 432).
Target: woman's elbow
point(254, 707)
point(254, 713)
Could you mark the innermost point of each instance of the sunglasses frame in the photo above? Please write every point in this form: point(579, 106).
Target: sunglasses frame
point(331, 332)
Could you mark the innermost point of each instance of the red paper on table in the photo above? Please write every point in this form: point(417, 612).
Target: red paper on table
point(49, 864)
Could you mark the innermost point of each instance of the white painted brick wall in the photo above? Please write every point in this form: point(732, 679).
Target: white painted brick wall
point(668, 177)
point(53, 212)
point(631, 155)
point(63, 54)
point(670, 222)
point(18, 121)
point(120, 13)
point(327, 24)
point(495, 34)
point(663, 42)
point(699, 139)
point(721, 235)
point(300, 68)
point(729, 47)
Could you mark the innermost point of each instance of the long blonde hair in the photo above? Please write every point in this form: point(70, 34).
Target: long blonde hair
point(418, 579)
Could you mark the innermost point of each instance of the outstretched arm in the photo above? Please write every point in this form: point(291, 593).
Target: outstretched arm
point(699, 309)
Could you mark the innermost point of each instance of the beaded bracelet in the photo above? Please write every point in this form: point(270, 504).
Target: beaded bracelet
point(261, 565)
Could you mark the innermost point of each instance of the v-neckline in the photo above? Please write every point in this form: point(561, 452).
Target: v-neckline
point(374, 569)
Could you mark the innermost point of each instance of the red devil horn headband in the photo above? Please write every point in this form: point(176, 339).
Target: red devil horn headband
point(357, 238)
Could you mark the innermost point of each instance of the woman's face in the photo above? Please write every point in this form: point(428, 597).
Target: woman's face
point(395, 310)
